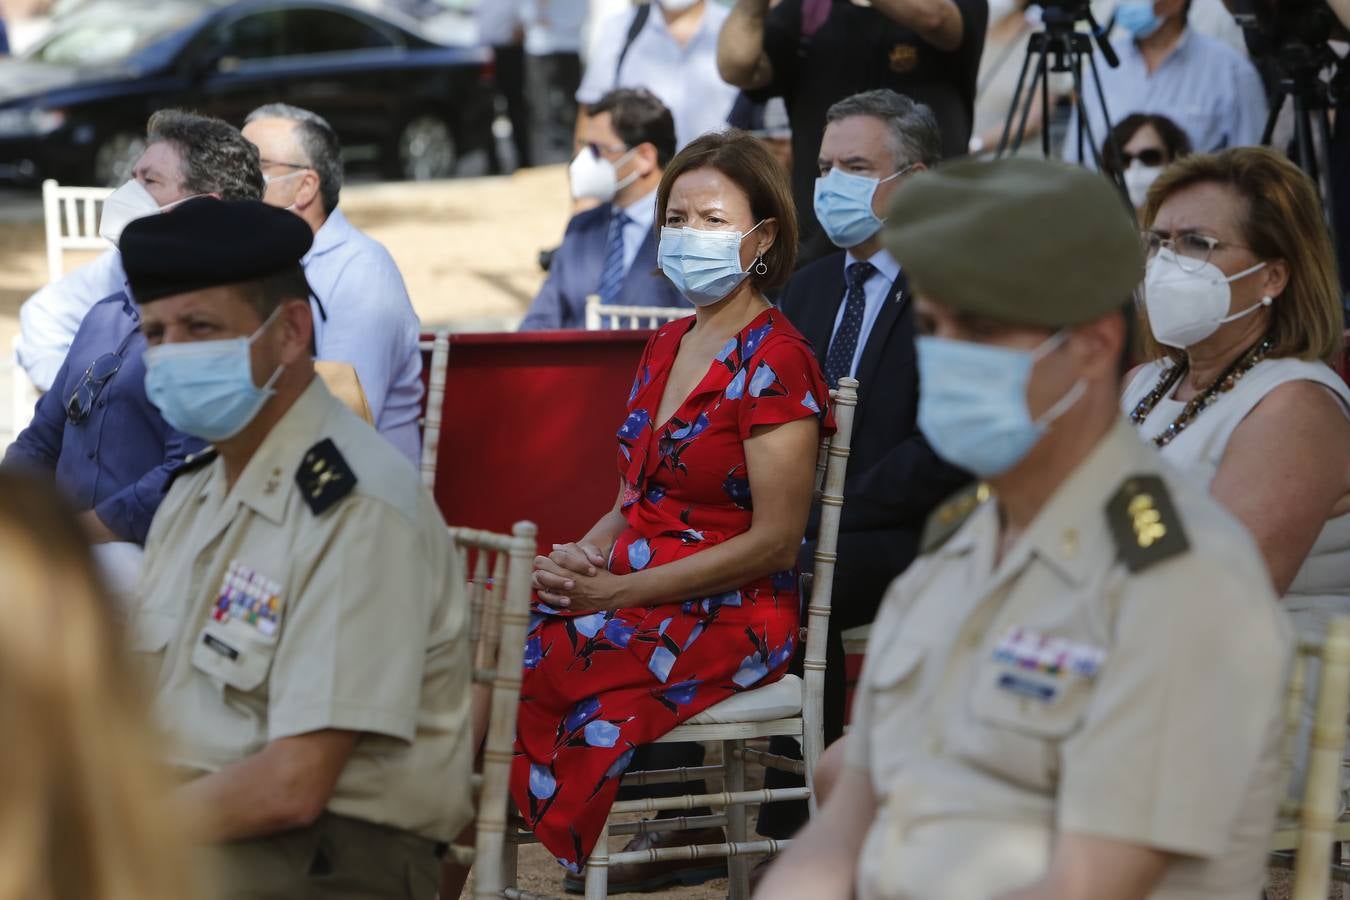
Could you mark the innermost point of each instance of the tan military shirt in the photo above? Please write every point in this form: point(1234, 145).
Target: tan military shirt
point(260, 619)
point(1058, 691)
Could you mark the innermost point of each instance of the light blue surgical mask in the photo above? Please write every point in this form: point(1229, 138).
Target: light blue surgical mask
point(843, 203)
point(205, 388)
point(1137, 17)
point(973, 402)
point(703, 265)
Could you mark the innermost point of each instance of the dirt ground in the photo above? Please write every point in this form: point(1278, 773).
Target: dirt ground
point(468, 248)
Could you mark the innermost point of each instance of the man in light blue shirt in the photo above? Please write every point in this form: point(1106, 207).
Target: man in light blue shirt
point(1213, 92)
point(367, 319)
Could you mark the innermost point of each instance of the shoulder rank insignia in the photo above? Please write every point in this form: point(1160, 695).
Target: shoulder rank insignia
point(1144, 523)
point(192, 463)
point(324, 477)
point(948, 518)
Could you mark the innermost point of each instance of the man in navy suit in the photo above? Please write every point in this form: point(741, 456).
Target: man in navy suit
point(855, 308)
point(623, 145)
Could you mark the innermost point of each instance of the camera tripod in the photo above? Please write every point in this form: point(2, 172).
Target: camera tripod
point(1300, 82)
point(1060, 47)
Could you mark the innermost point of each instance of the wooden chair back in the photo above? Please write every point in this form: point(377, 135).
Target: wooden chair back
point(831, 469)
point(343, 383)
point(499, 603)
point(431, 420)
point(598, 314)
point(70, 216)
point(1320, 805)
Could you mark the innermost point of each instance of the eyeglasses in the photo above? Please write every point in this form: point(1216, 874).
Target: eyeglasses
point(1151, 157)
point(1192, 250)
point(99, 373)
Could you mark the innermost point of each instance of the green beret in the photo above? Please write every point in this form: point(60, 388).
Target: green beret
point(1023, 241)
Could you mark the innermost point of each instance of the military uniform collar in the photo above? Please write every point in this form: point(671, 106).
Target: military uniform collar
point(266, 483)
point(1069, 528)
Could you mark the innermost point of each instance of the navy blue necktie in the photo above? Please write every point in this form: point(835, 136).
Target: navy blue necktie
point(611, 276)
point(844, 345)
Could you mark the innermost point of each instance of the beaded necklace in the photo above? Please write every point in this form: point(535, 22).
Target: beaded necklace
point(1201, 401)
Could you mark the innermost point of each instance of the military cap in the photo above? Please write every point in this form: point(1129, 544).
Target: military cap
point(1023, 241)
point(206, 242)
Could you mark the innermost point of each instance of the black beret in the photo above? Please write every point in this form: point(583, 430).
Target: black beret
point(1025, 241)
point(207, 242)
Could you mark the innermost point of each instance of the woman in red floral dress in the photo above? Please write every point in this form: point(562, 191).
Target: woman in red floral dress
point(686, 591)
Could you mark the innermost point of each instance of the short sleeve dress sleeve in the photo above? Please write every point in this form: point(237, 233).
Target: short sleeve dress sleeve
point(784, 383)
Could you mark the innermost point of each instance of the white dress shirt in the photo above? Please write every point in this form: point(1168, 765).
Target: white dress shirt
point(685, 78)
point(49, 319)
point(554, 26)
point(876, 289)
point(640, 215)
point(371, 324)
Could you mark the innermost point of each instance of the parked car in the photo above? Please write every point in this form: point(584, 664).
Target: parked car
point(74, 107)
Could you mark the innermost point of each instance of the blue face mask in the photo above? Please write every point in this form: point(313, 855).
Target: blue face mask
point(973, 402)
point(205, 388)
point(1137, 17)
point(705, 266)
point(844, 206)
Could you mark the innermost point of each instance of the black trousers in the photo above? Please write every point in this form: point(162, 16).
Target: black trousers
point(510, 63)
point(553, 80)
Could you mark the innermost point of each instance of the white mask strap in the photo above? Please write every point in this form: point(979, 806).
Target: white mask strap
point(1265, 301)
point(1063, 404)
point(1245, 272)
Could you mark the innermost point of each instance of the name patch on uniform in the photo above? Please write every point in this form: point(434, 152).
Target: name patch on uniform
point(250, 597)
point(1027, 687)
point(220, 647)
point(1057, 657)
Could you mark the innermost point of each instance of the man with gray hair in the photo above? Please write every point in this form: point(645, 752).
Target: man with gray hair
point(366, 318)
point(95, 430)
point(855, 307)
point(186, 155)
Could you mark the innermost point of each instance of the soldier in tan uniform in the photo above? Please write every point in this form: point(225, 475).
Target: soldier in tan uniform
point(1075, 690)
point(300, 615)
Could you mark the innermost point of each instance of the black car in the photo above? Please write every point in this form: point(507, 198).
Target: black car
point(74, 108)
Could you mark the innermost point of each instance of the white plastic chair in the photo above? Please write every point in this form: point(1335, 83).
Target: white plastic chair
point(791, 706)
point(598, 314)
point(71, 216)
point(499, 603)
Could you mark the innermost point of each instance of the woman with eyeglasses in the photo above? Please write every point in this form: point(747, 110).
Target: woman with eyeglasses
point(1243, 313)
point(1148, 143)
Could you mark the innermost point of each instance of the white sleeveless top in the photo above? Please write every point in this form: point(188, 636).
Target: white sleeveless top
point(1322, 586)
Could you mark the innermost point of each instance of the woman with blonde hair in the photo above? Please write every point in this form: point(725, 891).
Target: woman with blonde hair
point(1243, 312)
point(82, 813)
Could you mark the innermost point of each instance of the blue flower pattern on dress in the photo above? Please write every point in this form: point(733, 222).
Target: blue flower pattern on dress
point(685, 488)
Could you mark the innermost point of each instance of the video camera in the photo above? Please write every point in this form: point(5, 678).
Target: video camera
point(1290, 34)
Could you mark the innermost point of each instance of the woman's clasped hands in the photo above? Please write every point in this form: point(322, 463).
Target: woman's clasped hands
point(574, 577)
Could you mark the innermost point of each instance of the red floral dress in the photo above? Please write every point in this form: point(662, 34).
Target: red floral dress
point(598, 685)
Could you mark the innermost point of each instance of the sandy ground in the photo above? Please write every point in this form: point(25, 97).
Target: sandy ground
point(468, 249)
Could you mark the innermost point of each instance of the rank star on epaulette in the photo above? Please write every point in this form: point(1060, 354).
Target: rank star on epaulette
point(949, 517)
point(1144, 523)
point(324, 476)
point(192, 463)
